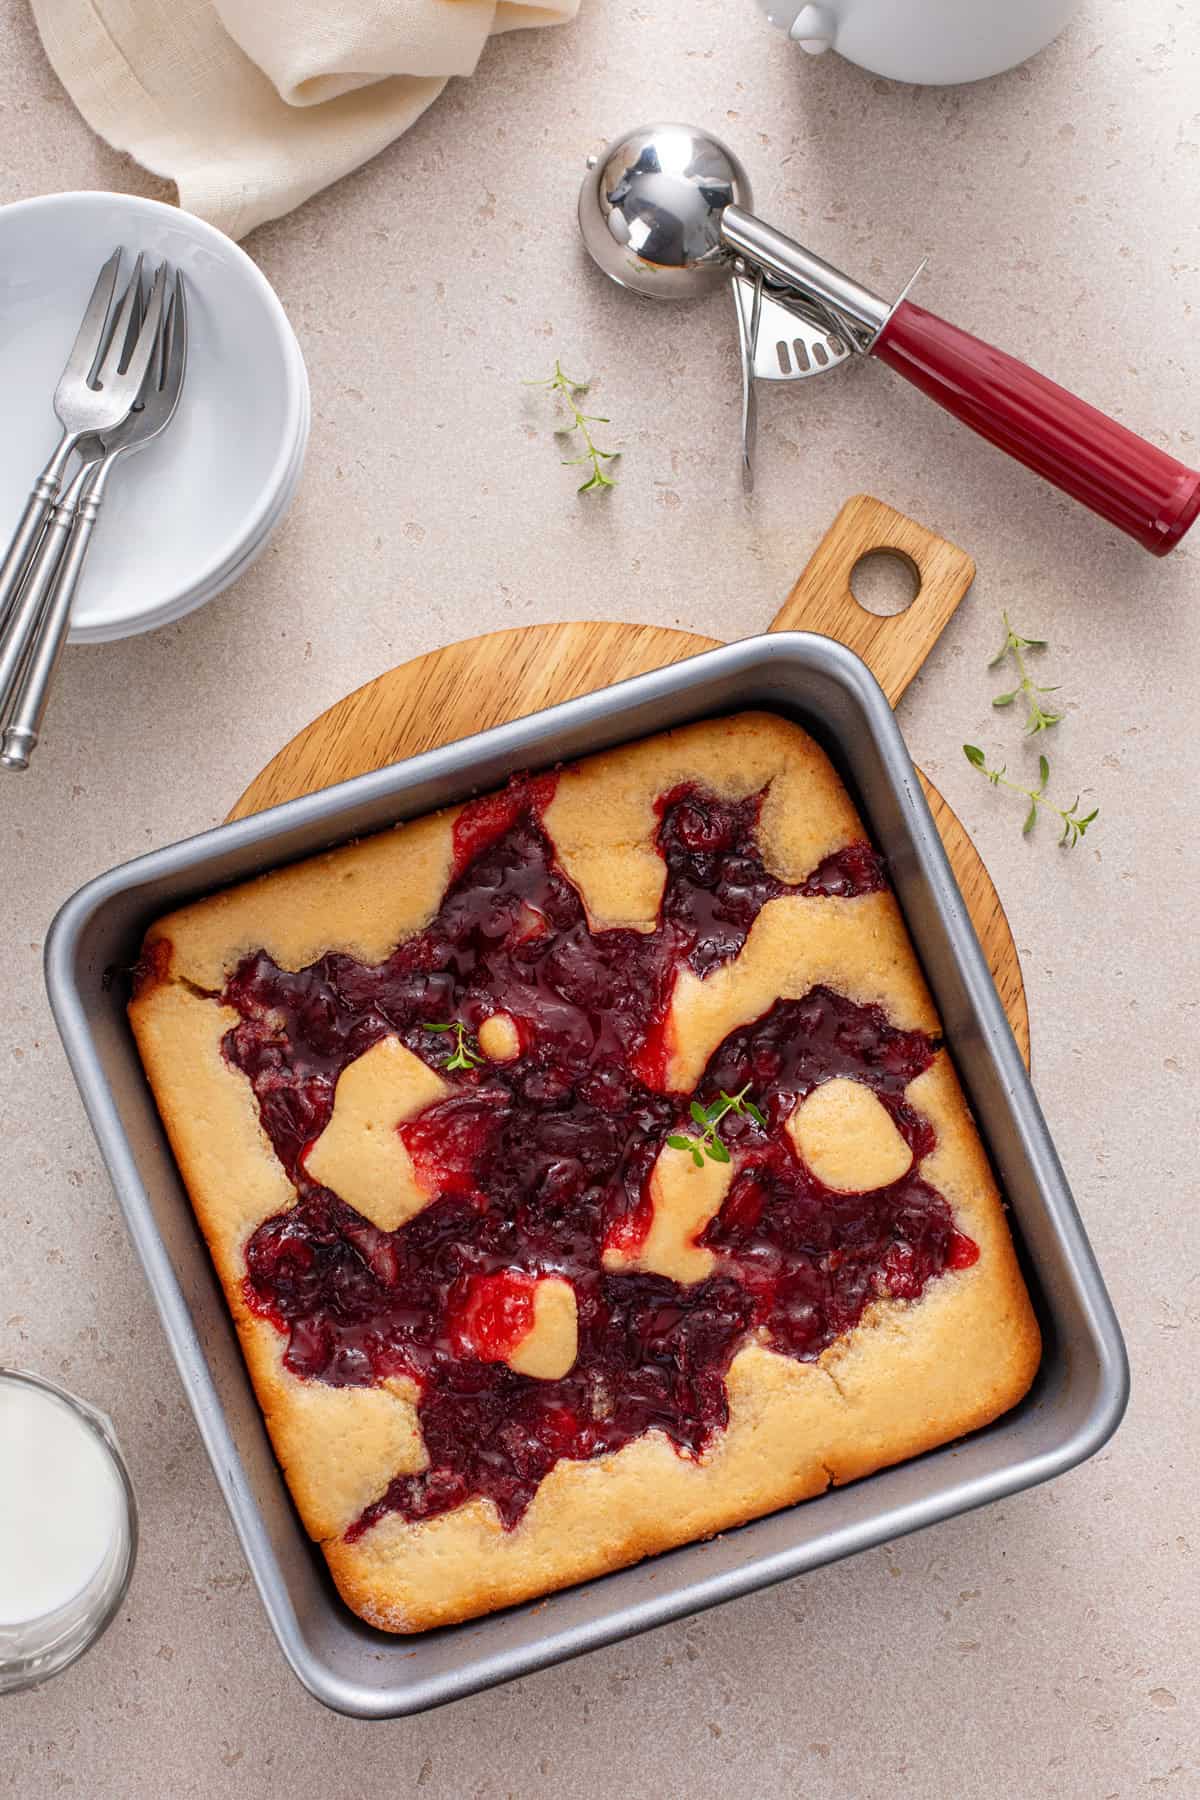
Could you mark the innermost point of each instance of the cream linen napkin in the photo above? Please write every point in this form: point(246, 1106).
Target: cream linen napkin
point(250, 106)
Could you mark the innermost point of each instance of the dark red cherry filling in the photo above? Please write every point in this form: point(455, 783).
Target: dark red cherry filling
point(541, 1163)
point(716, 882)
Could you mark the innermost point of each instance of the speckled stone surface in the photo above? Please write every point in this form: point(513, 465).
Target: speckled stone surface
point(1049, 1644)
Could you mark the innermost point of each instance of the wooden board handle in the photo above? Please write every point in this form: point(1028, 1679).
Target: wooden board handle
point(892, 646)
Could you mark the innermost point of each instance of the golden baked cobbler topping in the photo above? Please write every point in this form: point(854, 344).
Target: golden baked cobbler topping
point(523, 1243)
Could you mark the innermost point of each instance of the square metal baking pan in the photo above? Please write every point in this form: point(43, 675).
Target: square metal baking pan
point(1075, 1404)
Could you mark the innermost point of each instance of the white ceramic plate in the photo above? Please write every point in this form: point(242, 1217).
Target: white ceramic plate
point(225, 578)
point(181, 517)
point(222, 578)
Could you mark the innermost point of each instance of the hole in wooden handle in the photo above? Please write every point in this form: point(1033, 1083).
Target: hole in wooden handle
point(885, 581)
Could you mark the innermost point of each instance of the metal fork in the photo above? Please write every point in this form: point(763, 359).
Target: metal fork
point(76, 515)
point(86, 411)
point(92, 395)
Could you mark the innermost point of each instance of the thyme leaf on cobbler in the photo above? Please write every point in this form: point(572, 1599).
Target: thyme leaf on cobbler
point(1074, 824)
point(465, 1055)
point(1038, 717)
point(708, 1119)
point(573, 419)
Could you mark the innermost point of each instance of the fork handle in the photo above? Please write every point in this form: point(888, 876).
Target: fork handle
point(28, 535)
point(32, 599)
point(32, 689)
point(24, 542)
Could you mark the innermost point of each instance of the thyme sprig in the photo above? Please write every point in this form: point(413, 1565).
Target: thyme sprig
point(1037, 717)
point(708, 1118)
point(464, 1057)
point(1074, 824)
point(566, 394)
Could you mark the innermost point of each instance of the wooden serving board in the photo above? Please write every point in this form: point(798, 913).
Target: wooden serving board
point(505, 675)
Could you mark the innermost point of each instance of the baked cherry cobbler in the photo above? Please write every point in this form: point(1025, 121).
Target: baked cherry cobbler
point(584, 1170)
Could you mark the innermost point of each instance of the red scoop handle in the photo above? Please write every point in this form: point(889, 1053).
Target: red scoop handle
point(1119, 475)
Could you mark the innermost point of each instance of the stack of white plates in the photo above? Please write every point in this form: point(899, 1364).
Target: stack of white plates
point(189, 516)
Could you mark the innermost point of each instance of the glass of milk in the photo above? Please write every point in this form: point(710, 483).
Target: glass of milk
point(68, 1528)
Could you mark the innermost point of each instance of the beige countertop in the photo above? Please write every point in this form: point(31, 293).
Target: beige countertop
point(1046, 1645)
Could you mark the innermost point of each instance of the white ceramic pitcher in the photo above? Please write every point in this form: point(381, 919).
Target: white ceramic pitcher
point(928, 41)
